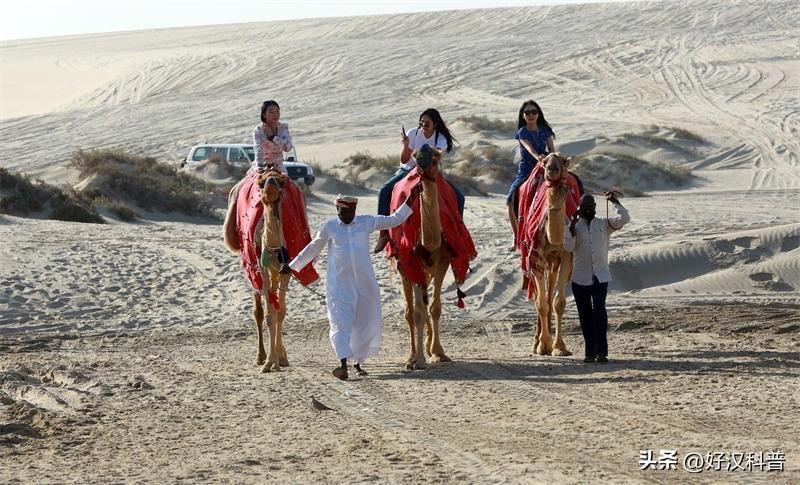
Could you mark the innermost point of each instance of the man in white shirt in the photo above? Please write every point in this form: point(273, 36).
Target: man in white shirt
point(352, 295)
point(588, 240)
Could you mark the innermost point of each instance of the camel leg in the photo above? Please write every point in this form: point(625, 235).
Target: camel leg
point(283, 284)
point(435, 309)
point(258, 315)
point(560, 302)
point(408, 294)
point(545, 344)
point(420, 313)
point(273, 362)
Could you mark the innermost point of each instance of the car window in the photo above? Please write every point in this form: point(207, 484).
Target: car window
point(251, 153)
point(290, 156)
point(201, 153)
point(238, 156)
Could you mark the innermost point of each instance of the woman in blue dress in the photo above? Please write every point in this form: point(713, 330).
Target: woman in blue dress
point(536, 140)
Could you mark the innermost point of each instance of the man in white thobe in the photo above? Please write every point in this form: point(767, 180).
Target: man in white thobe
point(352, 294)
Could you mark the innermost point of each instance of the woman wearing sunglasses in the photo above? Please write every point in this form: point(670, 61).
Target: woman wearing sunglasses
point(536, 140)
point(431, 131)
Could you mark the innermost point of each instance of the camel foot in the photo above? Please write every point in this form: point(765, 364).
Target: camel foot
point(340, 373)
point(261, 359)
point(270, 366)
point(284, 362)
point(440, 357)
point(561, 352)
point(417, 364)
point(544, 349)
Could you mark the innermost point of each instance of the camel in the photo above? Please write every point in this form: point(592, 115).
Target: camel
point(272, 260)
point(435, 260)
point(549, 264)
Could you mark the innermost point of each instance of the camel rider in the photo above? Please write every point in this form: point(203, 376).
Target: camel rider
point(588, 240)
point(352, 294)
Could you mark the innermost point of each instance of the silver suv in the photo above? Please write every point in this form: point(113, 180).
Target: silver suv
point(242, 155)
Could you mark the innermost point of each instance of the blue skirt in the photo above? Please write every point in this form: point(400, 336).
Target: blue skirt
point(524, 172)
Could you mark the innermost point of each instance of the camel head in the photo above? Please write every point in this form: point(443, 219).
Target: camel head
point(271, 183)
point(555, 166)
point(428, 161)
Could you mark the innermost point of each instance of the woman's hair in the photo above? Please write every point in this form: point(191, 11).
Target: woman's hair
point(540, 121)
point(439, 126)
point(266, 105)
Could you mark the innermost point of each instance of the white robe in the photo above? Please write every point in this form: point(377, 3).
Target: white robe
point(352, 294)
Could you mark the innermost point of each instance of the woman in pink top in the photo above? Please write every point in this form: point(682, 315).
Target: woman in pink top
point(271, 137)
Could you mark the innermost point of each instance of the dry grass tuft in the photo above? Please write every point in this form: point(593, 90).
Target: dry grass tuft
point(145, 182)
point(19, 195)
point(486, 124)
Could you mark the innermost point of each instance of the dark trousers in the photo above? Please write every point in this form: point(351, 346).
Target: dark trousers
point(385, 194)
point(591, 303)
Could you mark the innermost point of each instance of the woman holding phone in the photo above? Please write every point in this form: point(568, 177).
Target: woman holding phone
point(431, 131)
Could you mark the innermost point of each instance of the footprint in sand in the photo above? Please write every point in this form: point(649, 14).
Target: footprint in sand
point(790, 243)
point(771, 282)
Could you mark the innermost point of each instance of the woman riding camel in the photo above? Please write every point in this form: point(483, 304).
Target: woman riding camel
point(431, 131)
point(536, 140)
point(271, 137)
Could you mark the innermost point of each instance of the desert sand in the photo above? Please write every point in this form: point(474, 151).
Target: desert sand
point(127, 350)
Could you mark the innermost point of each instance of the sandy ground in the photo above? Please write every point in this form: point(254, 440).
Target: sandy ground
point(190, 404)
point(126, 350)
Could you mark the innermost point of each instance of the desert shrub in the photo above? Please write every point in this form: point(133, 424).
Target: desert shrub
point(467, 185)
point(123, 211)
point(365, 160)
point(235, 171)
point(484, 123)
point(658, 141)
point(489, 160)
point(23, 196)
point(149, 184)
point(317, 168)
point(684, 133)
point(629, 174)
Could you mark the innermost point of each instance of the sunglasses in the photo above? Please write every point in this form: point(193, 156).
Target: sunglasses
point(531, 112)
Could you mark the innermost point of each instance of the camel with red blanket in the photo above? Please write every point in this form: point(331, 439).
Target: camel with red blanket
point(433, 239)
point(547, 265)
point(255, 229)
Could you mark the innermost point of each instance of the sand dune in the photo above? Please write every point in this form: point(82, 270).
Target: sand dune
point(130, 344)
point(762, 260)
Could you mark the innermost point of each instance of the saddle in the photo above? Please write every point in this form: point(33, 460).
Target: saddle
point(250, 223)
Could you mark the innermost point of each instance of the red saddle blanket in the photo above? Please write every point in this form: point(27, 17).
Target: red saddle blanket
point(250, 210)
point(455, 235)
point(533, 208)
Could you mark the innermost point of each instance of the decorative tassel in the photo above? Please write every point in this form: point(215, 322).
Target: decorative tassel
point(264, 259)
point(273, 300)
point(461, 295)
point(284, 257)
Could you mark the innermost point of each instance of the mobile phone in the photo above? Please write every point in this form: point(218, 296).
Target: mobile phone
point(403, 132)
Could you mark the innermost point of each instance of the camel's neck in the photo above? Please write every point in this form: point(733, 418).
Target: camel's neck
point(556, 215)
point(272, 227)
point(431, 226)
